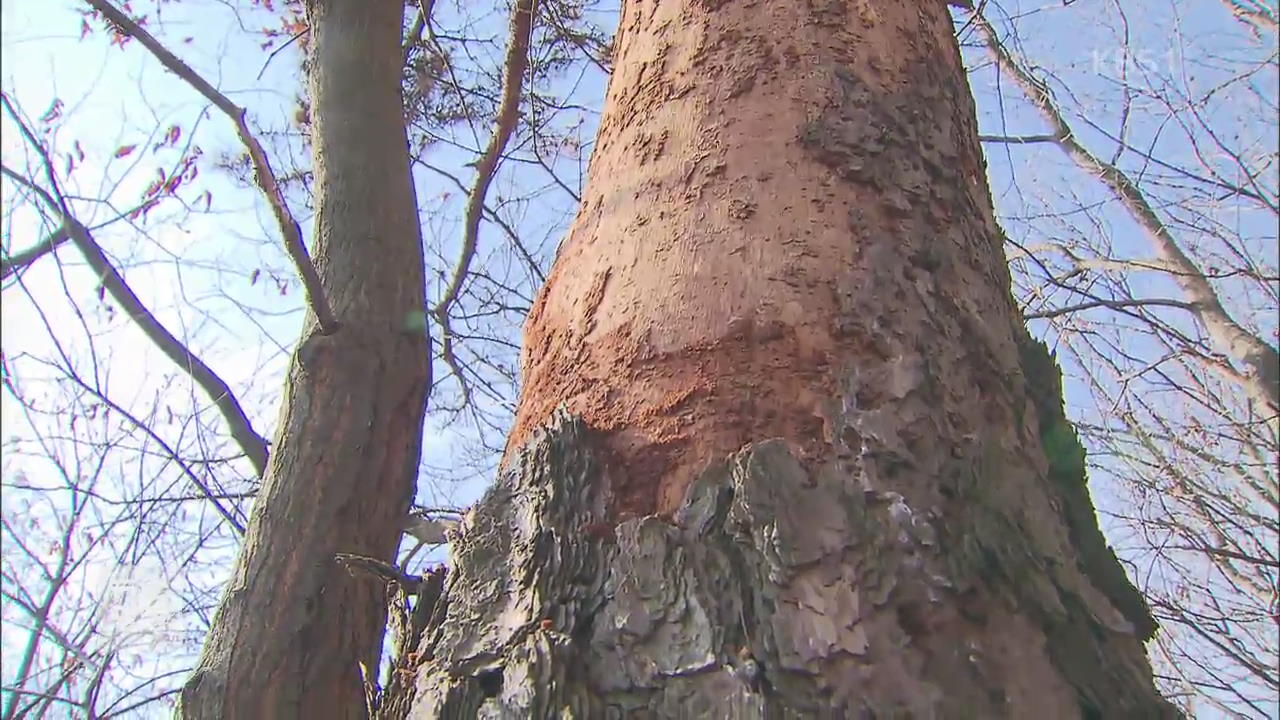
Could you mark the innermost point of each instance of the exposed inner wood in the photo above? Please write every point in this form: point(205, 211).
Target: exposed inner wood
point(769, 178)
point(807, 468)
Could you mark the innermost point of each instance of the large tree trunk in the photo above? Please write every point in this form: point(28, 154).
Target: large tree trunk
point(294, 627)
point(811, 464)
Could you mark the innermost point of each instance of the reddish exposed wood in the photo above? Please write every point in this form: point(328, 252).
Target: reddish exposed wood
point(702, 299)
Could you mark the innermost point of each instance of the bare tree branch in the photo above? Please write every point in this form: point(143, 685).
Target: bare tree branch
point(1111, 304)
point(508, 115)
point(1019, 139)
point(1263, 381)
point(253, 445)
point(517, 61)
point(19, 261)
point(263, 174)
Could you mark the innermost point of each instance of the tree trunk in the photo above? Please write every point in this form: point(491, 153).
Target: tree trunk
point(294, 627)
point(811, 464)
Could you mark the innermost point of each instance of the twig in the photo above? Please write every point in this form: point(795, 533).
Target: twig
point(380, 569)
point(279, 50)
point(206, 492)
point(1019, 139)
point(1110, 304)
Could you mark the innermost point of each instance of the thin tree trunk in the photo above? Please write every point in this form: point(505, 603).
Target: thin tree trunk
point(802, 472)
point(294, 628)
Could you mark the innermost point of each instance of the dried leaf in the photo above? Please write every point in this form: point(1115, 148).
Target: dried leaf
point(53, 113)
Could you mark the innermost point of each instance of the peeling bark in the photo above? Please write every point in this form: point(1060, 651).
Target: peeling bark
point(781, 448)
point(774, 591)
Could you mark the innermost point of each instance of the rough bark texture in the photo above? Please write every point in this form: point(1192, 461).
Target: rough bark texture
point(294, 626)
point(780, 193)
point(802, 471)
point(774, 591)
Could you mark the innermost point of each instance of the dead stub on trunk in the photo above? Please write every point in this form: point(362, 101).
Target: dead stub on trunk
point(776, 590)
